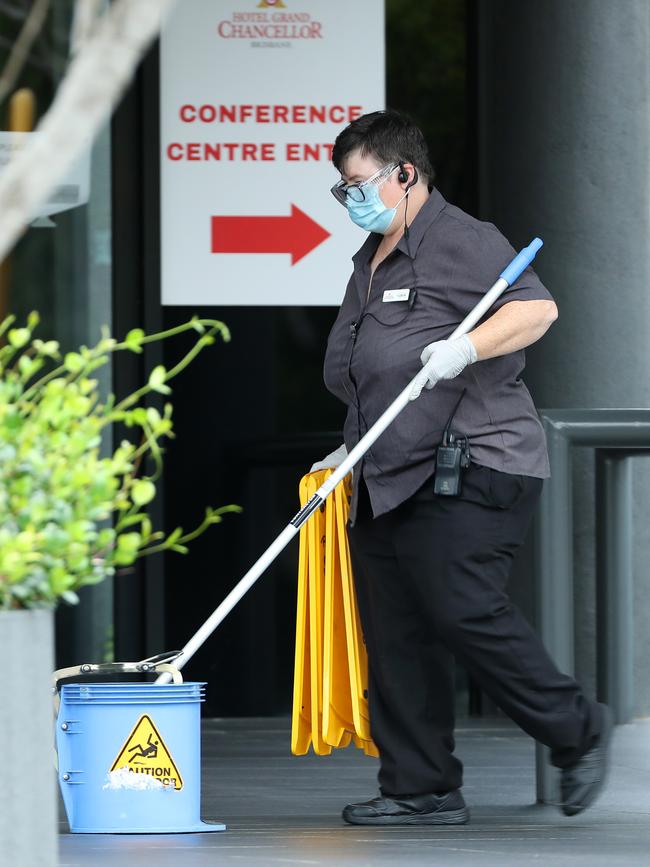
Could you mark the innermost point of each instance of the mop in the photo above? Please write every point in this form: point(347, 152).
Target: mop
point(506, 279)
point(124, 747)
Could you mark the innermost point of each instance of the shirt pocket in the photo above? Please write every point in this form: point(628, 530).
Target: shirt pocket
point(392, 313)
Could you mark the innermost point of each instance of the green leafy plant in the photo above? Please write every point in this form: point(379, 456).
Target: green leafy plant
point(70, 515)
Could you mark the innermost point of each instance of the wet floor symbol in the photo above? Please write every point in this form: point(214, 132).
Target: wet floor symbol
point(145, 752)
point(148, 752)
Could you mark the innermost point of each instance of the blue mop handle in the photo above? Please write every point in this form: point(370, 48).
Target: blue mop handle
point(521, 261)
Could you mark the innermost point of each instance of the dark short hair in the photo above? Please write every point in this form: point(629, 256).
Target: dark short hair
point(389, 136)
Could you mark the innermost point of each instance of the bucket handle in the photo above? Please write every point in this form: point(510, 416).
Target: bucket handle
point(161, 662)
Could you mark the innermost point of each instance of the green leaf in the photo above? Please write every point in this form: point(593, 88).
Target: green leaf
point(174, 535)
point(134, 339)
point(73, 362)
point(70, 597)
point(19, 337)
point(127, 548)
point(157, 376)
point(106, 344)
point(49, 348)
point(143, 492)
point(86, 386)
point(136, 416)
point(130, 521)
point(29, 366)
point(146, 528)
point(60, 580)
point(153, 417)
point(128, 541)
point(157, 380)
point(105, 538)
point(6, 323)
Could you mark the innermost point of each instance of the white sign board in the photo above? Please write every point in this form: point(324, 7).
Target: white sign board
point(252, 95)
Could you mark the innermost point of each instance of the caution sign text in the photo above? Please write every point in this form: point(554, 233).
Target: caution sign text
point(145, 752)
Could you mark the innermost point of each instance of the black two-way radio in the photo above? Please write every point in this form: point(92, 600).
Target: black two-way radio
point(452, 457)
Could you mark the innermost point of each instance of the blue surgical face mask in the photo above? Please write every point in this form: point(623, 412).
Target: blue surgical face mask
point(371, 213)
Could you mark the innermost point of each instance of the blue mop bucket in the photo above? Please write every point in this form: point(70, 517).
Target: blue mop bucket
point(129, 754)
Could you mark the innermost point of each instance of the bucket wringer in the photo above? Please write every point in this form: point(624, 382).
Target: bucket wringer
point(129, 753)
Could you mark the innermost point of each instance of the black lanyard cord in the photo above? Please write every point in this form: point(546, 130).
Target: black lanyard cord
point(445, 437)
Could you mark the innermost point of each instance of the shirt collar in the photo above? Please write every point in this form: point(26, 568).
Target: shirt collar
point(366, 251)
point(423, 219)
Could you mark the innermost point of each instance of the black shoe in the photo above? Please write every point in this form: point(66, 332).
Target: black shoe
point(582, 782)
point(446, 809)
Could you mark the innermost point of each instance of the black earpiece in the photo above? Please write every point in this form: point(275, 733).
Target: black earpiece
point(403, 176)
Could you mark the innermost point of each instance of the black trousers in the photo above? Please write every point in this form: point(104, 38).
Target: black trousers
point(430, 578)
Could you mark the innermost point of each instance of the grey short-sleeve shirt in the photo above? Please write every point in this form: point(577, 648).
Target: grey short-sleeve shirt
point(373, 351)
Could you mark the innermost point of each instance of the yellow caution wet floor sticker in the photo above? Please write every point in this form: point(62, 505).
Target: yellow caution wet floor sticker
point(144, 752)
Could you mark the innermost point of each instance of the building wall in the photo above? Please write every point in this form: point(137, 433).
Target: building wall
point(564, 93)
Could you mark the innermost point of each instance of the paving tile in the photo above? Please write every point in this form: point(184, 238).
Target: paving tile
point(283, 809)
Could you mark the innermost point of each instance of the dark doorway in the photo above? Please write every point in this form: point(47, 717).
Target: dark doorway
point(252, 415)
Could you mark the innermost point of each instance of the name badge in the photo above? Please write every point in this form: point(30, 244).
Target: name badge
point(396, 295)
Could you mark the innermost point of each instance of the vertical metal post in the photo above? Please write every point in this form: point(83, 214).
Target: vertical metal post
point(554, 581)
point(616, 435)
point(615, 587)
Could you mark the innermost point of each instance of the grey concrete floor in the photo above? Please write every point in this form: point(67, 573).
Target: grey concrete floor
point(282, 809)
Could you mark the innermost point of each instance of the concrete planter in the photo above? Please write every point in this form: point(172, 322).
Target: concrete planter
point(28, 804)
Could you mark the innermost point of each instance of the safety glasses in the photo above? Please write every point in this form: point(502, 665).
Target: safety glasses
point(342, 191)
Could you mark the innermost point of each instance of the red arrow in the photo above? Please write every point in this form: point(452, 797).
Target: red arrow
point(297, 234)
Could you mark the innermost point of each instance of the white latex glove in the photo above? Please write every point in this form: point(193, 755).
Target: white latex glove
point(332, 460)
point(443, 359)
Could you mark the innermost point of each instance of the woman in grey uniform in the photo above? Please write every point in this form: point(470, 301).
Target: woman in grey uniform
point(432, 547)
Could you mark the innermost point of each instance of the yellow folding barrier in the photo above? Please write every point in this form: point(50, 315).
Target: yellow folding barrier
point(316, 551)
point(301, 718)
point(337, 704)
point(356, 649)
point(330, 707)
